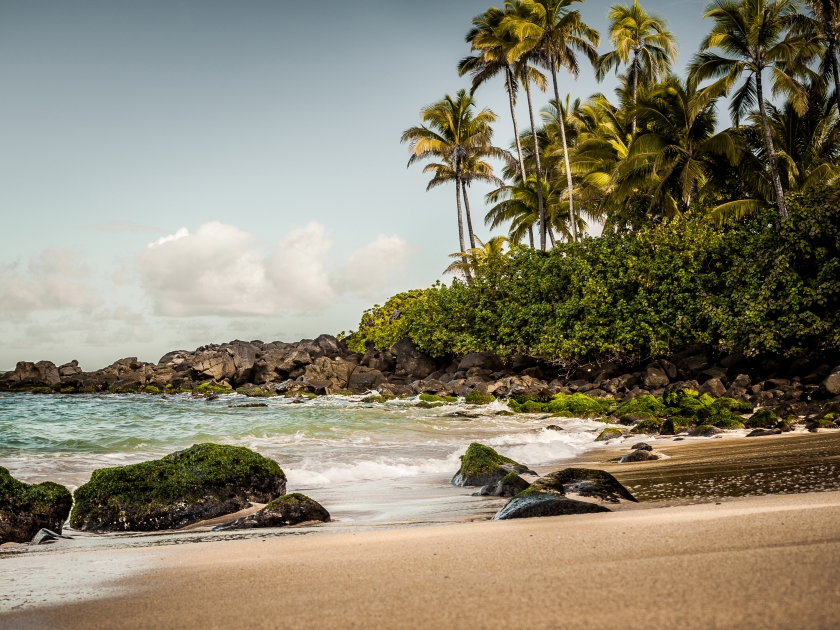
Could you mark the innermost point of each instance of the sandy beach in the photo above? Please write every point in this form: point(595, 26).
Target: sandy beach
point(737, 562)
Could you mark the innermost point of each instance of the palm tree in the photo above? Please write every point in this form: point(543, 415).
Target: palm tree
point(676, 154)
point(557, 34)
point(471, 261)
point(757, 36)
point(825, 25)
point(516, 10)
point(642, 36)
point(460, 140)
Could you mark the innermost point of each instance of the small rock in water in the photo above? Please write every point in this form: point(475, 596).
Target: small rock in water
point(249, 406)
point(641, 446)
point(510, 486)
point(640, 455)
point(763, 432)
point(553, 427)
point(290, 509)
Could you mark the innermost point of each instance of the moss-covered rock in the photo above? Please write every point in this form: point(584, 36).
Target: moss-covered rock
point(290, 509)
point(568, 491)
point(204, 481)
point(652, 426)
point(25, 509)
point(475, 397)
point(646, 405)
point(675, 425)
point(482, 466)
point(431, 398)
point(509, 486)
point(563, 405)
point(762, 419)
point(609, 434)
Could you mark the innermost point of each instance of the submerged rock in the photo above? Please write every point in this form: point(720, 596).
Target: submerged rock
point(509, 486)
point(26, 509)
point(202, 482)
point(290, 509)
point(568, 491)
point(482, 466)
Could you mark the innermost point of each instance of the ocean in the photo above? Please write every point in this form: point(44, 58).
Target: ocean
point(367, 463)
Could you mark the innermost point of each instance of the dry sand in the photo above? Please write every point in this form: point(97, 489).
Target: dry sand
point(755, 562)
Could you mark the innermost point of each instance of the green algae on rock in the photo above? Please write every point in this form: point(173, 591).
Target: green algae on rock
point(475, 397)
point(290, 509)
point(481, 466)
point(609, 433)
point(567, 491)
point(204, 481)
point(563, 405)
point(508, 486)
point(25, 509)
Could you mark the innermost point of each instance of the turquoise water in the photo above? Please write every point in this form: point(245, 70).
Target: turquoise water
point(355, 453)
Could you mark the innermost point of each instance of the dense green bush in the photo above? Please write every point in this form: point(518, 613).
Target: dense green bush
point(751, 286)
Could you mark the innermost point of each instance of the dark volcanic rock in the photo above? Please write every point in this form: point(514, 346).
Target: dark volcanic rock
point(484, 360)
point(290, 509)
point(26, 375)
point(204, 481)
point(25, 509)
point(482, 466)
point(764, 432)
point(411, 363)
point(568, 491)
point(509, 486)
point(640, 455)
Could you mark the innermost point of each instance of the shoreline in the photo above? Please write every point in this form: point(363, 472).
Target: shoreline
point(765, 562)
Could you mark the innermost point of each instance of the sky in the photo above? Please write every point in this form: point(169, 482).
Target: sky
point(179, 173)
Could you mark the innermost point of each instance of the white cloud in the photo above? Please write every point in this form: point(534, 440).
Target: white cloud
point(373, 267)
point(53, 280)
point(220, 270)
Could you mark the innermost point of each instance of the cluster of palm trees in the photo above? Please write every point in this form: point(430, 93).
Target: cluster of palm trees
point(658, 150)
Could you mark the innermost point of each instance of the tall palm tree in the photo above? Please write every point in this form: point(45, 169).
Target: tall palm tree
point(756, 35)
point(825, 25)
point(460, 140)
point(557, 34)
point(471, 261)
point(522, 60)
point(642, 41)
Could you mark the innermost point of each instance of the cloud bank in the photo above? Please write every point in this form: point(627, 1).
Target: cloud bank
point(220, 270)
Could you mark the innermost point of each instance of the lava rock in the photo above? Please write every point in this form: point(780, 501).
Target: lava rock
point(482, 466)
point(764, 432)
point(641, 446)
point(202, 482)
point(509, 486)
point(568, 491)
point(290, 509)
point(640, 455)
point(25, 509)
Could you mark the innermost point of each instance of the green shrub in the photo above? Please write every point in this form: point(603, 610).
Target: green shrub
point(384, 325)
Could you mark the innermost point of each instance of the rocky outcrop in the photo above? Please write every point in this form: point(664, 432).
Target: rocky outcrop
point(410, 362)
point(290, 509)
point(568, 491)
point(25, 509)
point(33, 375)
point(202, 482)
point(328, 376)
point(482, 466)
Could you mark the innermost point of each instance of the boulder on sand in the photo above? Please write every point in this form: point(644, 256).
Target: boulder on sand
point(290, 509)
point(482, 466)
point(568, 491)
point(509, 486)
point(26, 509)
point(202, 482)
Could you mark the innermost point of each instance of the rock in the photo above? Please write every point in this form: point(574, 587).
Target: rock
point(568, 491)
point(509, 486)
point(713, 387)
point(244, 356)
point(764, 432)
point(277, 364)
point(46, 536)
point(763, 419)
point(704, 430)
point(365, 379)
point(69, 369)
point(553, 427)
point(25, 509)
point(640, 455)
point(331, 375)
point(290, 509)
point(669, 368)
point(40, 374)
point(654, 377)
point(482, 466)
point(202, 482)
point(641, 446)
point(831, 385)
point(214, 364)
point(484, 360)
point(739, 387)
point(609, 433)
point(411, 362)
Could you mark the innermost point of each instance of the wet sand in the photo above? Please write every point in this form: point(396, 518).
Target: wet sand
point(748, 562)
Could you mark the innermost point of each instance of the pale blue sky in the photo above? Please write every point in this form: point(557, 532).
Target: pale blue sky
point(121, 123)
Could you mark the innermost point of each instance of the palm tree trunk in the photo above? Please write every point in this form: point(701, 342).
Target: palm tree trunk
point(461, 228)
point(467, 210)
point(551, 236)
point(516, 131)
point(531, 235)
point(771, 152)
point(832, 53)
point(635, 87)
point(573, 231)
point(540, 204)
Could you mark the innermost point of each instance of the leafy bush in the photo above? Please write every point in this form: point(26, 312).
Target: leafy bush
point(384, 325)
